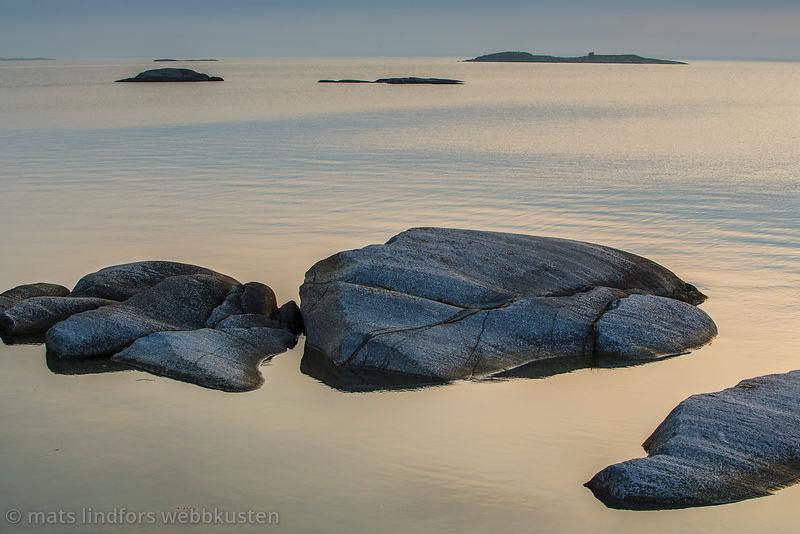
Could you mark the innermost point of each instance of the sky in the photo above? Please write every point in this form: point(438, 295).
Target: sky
point(676, 29)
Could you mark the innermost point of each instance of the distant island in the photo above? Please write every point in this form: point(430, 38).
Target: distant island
point(170, 59)
point(26, 59)
point(591, 57)
point(171, 75)
point(401, 81)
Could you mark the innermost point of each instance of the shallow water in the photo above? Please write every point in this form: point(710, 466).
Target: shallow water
point(260, 176)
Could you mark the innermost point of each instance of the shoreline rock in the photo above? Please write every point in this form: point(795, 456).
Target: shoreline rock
point(714, 448)
point(15, 295)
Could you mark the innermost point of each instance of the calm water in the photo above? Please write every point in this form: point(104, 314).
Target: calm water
point(696, 167)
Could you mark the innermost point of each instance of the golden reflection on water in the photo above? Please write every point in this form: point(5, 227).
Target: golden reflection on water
point(259, 177)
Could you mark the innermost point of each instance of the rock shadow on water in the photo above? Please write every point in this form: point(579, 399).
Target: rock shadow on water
point(359, 380)
point(89, 366)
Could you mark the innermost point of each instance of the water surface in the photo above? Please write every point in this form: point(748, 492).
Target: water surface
point(262, 175)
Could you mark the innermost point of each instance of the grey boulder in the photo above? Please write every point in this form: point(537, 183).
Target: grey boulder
point(714, 448)
point(252, 298)
point(120, 282)
point(176, 303)
point(450, 303)
point(17, 294)
point(171, 75)
point(34, 316)
point(225, 359)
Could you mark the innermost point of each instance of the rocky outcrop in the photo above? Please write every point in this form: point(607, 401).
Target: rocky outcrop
point(591, 57)
point(34, 316)
point(14, 296)
point(714, 448)
point(225, 359)
point(402, 81)
point(171, 75)
point(436, 303)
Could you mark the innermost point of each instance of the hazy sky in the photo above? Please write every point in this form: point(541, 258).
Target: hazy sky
point(465, 28)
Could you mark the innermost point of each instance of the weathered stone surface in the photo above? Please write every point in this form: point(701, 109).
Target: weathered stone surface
point(35, 315)
point(447, 303)
point(250, 298)
point(291, 318)
point(248, 320)
point(14, 296)
point(526, 57)
point(176, 303)
point(171, 75)
point(643, 327)
point(120, 282)
point(714, 448)
point(225, 359)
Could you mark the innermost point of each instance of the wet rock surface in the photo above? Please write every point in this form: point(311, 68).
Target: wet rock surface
point(714, 448)
point(439, 303)
point(225, 359)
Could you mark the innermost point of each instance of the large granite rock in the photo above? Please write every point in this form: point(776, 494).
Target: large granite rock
point(15, 295)
point(714, 448)
point(446, 304)
point(176, 303)
point(34, 316)
point(120, 282)
point(225, 359)
point(171, 75)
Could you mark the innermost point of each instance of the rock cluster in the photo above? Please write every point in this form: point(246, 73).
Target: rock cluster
point(174, 319)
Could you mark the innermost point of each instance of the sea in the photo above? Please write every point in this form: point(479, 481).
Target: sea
point(696, 167)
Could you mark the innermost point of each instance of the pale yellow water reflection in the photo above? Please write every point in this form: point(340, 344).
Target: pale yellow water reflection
point(264, 174)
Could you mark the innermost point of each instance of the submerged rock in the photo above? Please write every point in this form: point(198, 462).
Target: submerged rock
point(172, 75)
point(225, 359)
point(120, 282)
point(446, 304)
point(714, 448)
point(15, 295)
point(176, 303)
point(34, 316)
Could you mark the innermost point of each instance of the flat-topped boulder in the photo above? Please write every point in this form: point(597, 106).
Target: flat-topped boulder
point(169, 74)
point(714, 448)
point(591, 57)
point(15, 295)
point(449, 303)
point(412, 80)
point(225, 358)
